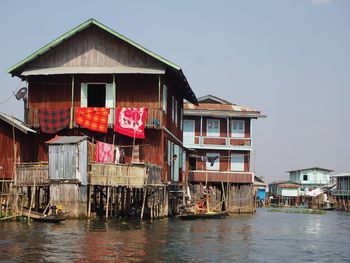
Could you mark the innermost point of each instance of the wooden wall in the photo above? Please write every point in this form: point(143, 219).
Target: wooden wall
point(94, 47)
point(23, 149)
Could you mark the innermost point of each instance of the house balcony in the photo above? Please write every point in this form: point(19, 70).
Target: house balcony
point(219, 176)
point(153, 121)
point(129, 175)
point(30, 174)
point(340, 192)
point(223, 143)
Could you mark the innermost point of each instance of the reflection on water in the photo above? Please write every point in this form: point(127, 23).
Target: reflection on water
point(264, 237)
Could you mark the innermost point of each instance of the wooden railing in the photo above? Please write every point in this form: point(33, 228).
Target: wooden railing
point(340, 192)
point(220, 176)
point(131, 175)
point(32, 173)
point(154, 120)
point(217, 141)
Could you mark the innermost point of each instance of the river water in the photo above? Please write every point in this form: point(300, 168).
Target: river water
point(262, 237)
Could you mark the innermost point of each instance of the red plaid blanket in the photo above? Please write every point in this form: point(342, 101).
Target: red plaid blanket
point(53, 120)
point(95, 119)
point(131, 121)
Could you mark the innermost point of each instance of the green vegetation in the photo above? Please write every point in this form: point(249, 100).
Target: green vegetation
point(303, 211)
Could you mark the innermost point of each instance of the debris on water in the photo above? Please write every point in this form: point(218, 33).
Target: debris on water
point(303, 211)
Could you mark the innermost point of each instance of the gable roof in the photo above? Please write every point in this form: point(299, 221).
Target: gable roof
point(210, 105)
point(16, 123)
point(213, 99)
point(189, 94)
point(66, 139)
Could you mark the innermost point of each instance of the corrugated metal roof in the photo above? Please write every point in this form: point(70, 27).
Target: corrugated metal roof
point(66, 139)
point(214, 106)
point(16, 123)
point(341, 175)
point(312, 168)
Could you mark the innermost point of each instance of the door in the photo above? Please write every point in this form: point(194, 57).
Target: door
point(188, 135)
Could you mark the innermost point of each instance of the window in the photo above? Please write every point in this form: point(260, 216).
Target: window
point(172, 108)
point(181, 118)
point(237, 162)
point(213, 128)
point(176, 110)
point(213, 161)
point(305, 177)
point(165, 97)
point(238, 128)
point(97, 95)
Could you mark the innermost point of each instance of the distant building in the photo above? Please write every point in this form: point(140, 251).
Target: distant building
point(219, 136)
point(310, 178)
point(284, 192)
point(259, 189)
point(342, 191)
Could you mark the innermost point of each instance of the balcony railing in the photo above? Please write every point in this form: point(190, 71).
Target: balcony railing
point(224, 142)
point(153, 121)
point(130, 175)
point(220, 176)
point(341, 192)
point(32, 174)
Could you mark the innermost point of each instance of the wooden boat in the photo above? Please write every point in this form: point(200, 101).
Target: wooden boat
point(208, 215)
point(54, 218)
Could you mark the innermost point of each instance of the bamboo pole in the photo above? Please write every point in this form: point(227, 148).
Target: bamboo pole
point(72, 105)
point(143, 203)
point(31, 200)
point(89, 202)
point(107, 202)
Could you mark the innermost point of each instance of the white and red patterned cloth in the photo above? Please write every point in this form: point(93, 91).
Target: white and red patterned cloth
point(104, 152)
point(131, 122)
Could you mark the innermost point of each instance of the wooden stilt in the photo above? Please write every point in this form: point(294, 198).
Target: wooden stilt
point(31, 201)
point(107, 205)
point(89, 201)
point(143, 202)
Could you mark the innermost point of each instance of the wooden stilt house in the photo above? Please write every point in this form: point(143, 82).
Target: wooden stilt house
point(94, 67)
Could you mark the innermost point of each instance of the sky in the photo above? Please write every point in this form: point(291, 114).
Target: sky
point(290, 59)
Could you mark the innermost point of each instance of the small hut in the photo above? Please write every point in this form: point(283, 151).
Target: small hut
point(68, 169)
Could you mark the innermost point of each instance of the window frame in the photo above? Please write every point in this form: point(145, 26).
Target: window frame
point(213, 134)
point(233, 165)
point(237, 133)
point(165, 98)
point(216, 166)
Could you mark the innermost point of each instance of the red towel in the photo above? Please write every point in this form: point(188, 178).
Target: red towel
point(131, 121)
point(104, 152)
point(95, 119)
point(53, 120)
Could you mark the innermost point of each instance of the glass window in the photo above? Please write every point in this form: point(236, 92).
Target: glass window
point(213, 161)
point(238, 128)
point(305, 177)
point(213, 127)
point(165, 97)
point(237, 162)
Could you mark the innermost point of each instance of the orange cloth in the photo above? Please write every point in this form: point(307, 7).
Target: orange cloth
point(95, 119)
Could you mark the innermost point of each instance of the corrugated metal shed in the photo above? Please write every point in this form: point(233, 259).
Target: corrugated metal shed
point(68, 158)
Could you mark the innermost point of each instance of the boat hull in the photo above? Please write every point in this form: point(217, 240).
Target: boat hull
point(214, 215)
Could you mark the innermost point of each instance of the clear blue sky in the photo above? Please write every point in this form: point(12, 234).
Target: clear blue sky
point(290, 59)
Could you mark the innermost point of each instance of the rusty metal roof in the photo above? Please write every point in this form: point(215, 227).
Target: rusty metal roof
point(214, 106)
point(16, 123)
point(66, 139)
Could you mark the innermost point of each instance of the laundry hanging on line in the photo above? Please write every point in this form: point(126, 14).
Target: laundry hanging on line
point(131, 122)
point(52, 120)
point(95, 119)
point(104, 152)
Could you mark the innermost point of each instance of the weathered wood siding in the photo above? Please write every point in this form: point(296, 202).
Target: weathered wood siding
point(32, 173)
point(23, 149)
point(94, 47)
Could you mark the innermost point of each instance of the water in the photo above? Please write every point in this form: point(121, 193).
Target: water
point(263, 237)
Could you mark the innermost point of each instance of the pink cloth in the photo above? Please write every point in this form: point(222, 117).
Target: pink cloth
point(104, 152)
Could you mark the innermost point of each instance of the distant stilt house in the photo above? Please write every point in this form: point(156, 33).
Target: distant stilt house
point(342, 190)
point(284, 193)
point(260, 190)
point(310, 178)
point(218, 135)
point(95, 82)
